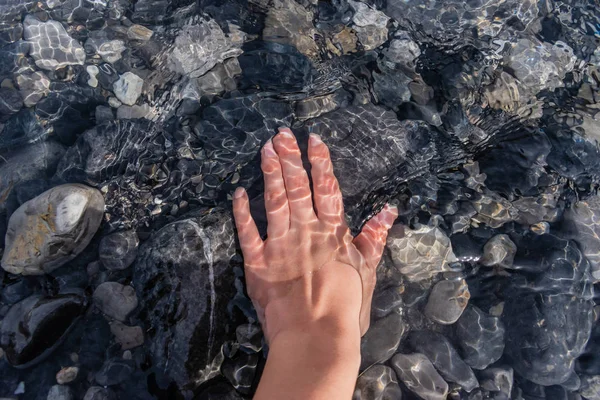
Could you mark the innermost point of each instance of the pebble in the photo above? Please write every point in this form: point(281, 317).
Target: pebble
point(419, 376)
point(114, 102)
point(114, 371)
point(99, 393)
point(497, 379)
point(112, 51)
point(10, 101)
point(447, 301)
point(480, 337)
point(139, 32)
point(590, 387)
point(59, 392)
point(115, 300)
point(33, 87)
point(500, 251)
point(128, 337)
point(117, 251)
point(136, 111)
point(20, 388)
point(92, 71)
point(386, 301)
point(66, 375)
point(381, 340)
point(128, 88)
point(377, 383)
point(249, 336)
point(104, 113)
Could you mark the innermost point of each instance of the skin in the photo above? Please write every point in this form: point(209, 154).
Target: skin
point(310, 281)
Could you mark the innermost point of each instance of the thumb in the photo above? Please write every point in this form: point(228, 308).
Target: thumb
point(371, 240)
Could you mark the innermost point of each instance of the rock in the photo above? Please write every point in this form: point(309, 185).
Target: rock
point(128, 337)
point(444, 357)
point(480, 337)
point(240, 371)
point(67, 375)
point(128, 88)
point(198, 48)
point(114, 372)
point(421, 253)
point(33, 87)
point(92, 71)
point(249, 336)
point(21, 128)
point(187, 265)
point(107, 76)
point(447, 301)
point(59, 392)
point(118, 250)
point(419, 376)
point(499, 250)
point(289, 23)
point(582, 224)
point(493, 210)
point(111, 51)
point(403, 51)
point(377, 383)
point(10, 101)
point(115, 300)
point(499, 379)
point(103, 114)
point(386, 301)
point(136, 111)
point(51, 229)
point(370, 25)
point(590, 387)
point(99, 393)
point(51, 46)
point(139, 32)
point(381, 340)
point(34, 327)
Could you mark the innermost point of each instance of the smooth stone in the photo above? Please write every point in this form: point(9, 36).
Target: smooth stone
point(370, 36)
point(480, 337)
point(66, 375)
point(53, 228)
point(497, 379)
point(128, 88)
point(51, 46)
point(34, 327)
point(370, 25)
point(139, 32)
point(128, 337)
point(10, 101)
point(444, 357)
point(136, 111)
point(240, 371)
point(103, 114)
point(117, 251)
point(421, 253)
point(500, 251)
point(289, 23)
point(381, 340)
point(582, 224)
point(403, 50)
point(114, 372)
point(115, 300)
point(419, 376)
point(20, 129)
point(249, 336)
point(386, 301)
point(590, 387)
point(377, 383)
point(447, 301)
point(92, 71)
point(33, 87)
point(112, 51)
point(59, 392)
point(107, 76)
point(99, 393)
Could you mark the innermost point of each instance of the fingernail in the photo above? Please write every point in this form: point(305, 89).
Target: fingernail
point(239, 192)
point(315, 139)
point(269, 150)
point(286, 132)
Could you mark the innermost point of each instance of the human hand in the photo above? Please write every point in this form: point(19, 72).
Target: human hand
point(309, 269)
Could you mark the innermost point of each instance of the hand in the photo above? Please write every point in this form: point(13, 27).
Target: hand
point(309, 269)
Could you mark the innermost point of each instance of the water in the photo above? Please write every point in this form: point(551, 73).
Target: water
point(477, 118)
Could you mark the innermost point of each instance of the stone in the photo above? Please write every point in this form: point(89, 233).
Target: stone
point(590, 387)
point(33, 328)
point(187, 265)
point(128, 88)
point(289, 23)
point(421, 253)
point(500, 251)
point(128, 337)
point(33, 87)
point(581, 223)
point(67, 375)
point(10, 101)
point(115, 300)
point(370, 25)
point(480, 337)
point(498, 379)
point(48, 231)
point(199, 47)
point(136, 111)
point(118, 250)
point(249, 336)
point(386, 301)
point(381, 340)
point(377, 383)
point(51, 46)
point(114, 371)
point(403, 51)
point(240, 371)
point(419, 376)
point(103, 114)
point(92, 71)
point(111, 51)
point(106, 77)
point(99, 393)
point(444, 358)
point(139, 32)
point(20, 129)
point(493, 210)
point(59, 392)
point(447, 301)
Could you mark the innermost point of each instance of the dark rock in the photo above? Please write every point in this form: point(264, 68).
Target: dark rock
point(33, 87)
point(12, 57)
point(10, 101)
point(107, 76)
point(103, 114)
point(117, 251)
point(34, 327)
point(581, 223)
point(497, 379)
point(590, 387)
point(249, 336)
point(21, 128)
point(381, 340)
point(128, 337)
point(419, 376)
point(379, 382)
point(17, 290)
point(60, 392)
point(241, 371)
point(480, 337)
point(386, 301)
point(447, 301)
point(99, 393)
point(10, 33)
point(114, 371)
point(115, 300)
point(499, 250)
point(444, 357)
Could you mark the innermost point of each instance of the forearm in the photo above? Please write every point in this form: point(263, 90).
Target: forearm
point(313, 364)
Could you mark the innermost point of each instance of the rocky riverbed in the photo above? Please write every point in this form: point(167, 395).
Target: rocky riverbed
point(126, 125)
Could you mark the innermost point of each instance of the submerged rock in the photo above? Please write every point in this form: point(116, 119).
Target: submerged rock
point(33, 87)
point(582, 224)
point(241, 371)
point(67, 375)
point(480, 337)
point(117, 251)
point(379, 382)
point(499, 250)
point(419, 376)
point(381, 340)
point(128, 337)
point(447, 301)
point(128, 88)
point(115, 300)
point(498, 379)
point(34, 327)
point(51, 229)
point(60, 392)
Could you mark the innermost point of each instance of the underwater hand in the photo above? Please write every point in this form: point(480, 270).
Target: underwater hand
point(310, 270)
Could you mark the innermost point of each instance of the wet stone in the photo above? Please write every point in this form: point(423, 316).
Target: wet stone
point(107, 76)
point(590, 387)
point(67, 375)
point(128, 337)
point(33, 87)
point(135, 112)
point(103, 114)
point(444, 357)
point(115, 300)
point(386, 301)
point(128, 88)
point(500, 251)
point(10, 101)
point(480, 337)
point(447, 301)
point(111, 51)
point(51, 229)
point(114, 371)
point(403, 50)
point(419, 376)
point(59, 392)
point(381, 340)
point(497, 379)
point(139, 32)
point(240, 371)
point(377, 383)
point(581, 223)
point(20, 129)
point(99, 393)
point(117, 251)
point(249, 336)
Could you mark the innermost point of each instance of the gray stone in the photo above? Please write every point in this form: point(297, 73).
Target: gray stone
point(582, 224)
point(51, 229)
point(118, 250)
point(66, 375)
point(92, 71)
point(139, 32)
point(104, 113)
point(114, 371)
point(403, 50)
point(128, 337)
point(59, 392)
point(136, 111)
point(99, 393)
point(386, 301)
point(419, 376)
point(447, 301)
point(493, 210)
point(10, 101)
point(249, 336)
point(480, 337)
point(590, 387)
point(51, 46)
point(500, 251)
point(370, 25)
point(33, 87)
point(112, 51)
point(498, 379)
point(128, 88)
point(381, 340)
point(290, 23)
point(377, 383)
point(115, 300)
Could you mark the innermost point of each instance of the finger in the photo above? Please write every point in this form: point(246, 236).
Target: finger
point(276, 202)
point(250, 241)
point(294, 176)
point(326, 189)
point(371, 240)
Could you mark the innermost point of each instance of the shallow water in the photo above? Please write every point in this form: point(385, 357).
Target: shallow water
point(477, 118)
